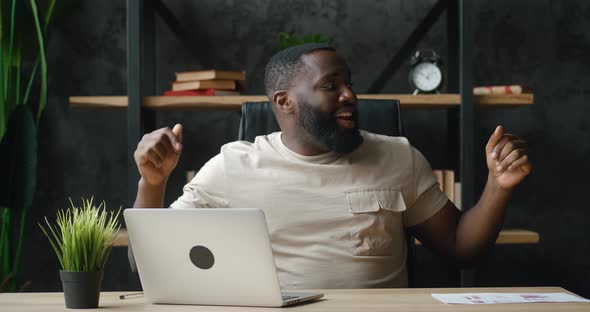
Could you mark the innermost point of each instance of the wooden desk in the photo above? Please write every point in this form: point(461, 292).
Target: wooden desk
point(357, 300)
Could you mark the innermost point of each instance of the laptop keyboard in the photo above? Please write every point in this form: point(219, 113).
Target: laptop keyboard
point(285, 297)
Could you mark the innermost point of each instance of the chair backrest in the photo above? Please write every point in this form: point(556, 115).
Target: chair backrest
point(376, 116)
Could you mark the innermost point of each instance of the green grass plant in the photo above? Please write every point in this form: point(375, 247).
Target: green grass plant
point(286, 40)
point(82, 237)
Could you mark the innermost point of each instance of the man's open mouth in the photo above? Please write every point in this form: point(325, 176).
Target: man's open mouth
point(346, 119)
point(345, 115)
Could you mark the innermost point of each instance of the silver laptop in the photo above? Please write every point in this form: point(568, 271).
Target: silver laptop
point(206, 256)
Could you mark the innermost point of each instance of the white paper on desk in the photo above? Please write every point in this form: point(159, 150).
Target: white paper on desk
point(492, 298)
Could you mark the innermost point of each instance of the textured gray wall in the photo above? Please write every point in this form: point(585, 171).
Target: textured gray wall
point(543, 44)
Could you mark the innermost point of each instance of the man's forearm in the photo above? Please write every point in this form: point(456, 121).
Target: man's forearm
point(478, 228)
point(149, 196)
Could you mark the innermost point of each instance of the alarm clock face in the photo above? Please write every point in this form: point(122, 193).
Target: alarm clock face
point(426, 77)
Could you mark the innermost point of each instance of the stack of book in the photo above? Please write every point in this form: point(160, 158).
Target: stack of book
point(446, 181)
point(505, 89)
point(207, 82)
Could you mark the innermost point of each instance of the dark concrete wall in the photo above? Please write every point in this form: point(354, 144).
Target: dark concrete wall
point(543, 44)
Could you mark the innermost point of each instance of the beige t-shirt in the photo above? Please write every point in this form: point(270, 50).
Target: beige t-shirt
point(335, 221)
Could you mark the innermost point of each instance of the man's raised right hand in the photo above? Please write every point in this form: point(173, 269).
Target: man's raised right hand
point(157, 154)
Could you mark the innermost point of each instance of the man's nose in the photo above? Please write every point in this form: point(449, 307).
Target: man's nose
point(347, 95)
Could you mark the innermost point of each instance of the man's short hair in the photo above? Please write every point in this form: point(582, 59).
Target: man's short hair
point(285, 65)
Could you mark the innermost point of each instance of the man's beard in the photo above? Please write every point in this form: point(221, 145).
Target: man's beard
point(324, 129)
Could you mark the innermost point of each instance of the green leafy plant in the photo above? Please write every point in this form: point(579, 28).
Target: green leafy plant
point(23, 30)
point(286, 40)
point(82, 237)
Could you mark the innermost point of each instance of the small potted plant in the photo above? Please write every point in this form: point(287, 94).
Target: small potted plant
point(82, 238)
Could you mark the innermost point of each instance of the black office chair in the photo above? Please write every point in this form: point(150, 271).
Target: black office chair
point(377, 116)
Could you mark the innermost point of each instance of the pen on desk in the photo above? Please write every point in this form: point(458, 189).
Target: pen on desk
point(130, 296)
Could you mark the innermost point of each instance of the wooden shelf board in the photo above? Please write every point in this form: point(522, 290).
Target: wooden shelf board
point(234, 102)
point(513, 236)
point(122, 239)
point(518, 236)
point(508, 236)
point(98, 101)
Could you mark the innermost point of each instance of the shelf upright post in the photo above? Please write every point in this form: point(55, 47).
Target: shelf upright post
point(148, 51)
point(467, 116)
point(453, 120)
point(134, 93)
point(452, 66)
point(148, 63)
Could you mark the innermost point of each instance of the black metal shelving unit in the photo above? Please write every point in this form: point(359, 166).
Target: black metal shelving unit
point(461, 121)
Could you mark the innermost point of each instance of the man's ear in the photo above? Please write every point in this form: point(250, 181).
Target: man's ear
point(283, 101)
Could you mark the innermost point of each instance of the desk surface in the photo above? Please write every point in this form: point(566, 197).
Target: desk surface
point(373, 300)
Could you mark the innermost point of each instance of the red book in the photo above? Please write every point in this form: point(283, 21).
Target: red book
point(200, 92)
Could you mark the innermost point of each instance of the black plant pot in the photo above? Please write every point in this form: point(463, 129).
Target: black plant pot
point(81, 289)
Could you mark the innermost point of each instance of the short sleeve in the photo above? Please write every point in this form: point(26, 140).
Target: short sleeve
point(206, 189)
point(429, 198)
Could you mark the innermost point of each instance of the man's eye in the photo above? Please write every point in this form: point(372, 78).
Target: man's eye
point(349, 85)
point(329, 86)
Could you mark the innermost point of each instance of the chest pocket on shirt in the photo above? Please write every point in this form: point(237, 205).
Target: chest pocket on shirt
point(376, 222)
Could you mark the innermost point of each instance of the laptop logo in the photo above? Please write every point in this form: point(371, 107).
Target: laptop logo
point(201, 257)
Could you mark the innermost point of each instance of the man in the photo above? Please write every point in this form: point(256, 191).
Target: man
point(337, 200)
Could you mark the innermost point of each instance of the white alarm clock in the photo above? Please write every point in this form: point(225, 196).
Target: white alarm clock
point(426, 74)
